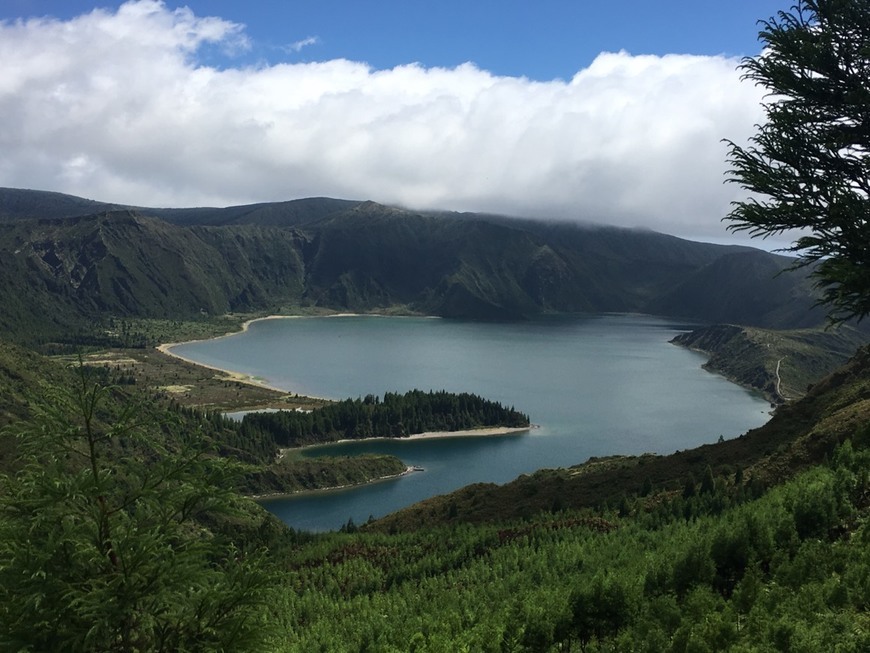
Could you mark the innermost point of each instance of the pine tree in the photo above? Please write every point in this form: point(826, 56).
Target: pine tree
point(103, 550)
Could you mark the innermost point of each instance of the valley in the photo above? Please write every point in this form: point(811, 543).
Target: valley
point(539, 393)
point(692, 535)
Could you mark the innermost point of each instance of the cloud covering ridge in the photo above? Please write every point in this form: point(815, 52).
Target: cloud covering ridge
point(118, 106)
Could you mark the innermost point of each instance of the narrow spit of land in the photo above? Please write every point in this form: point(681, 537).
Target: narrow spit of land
point(194, 384)
point(428, 435)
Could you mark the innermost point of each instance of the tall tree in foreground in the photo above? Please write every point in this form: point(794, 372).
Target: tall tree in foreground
point(101, 550)
point(808, 166)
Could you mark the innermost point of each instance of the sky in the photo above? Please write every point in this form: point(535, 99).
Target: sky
point(601, 112)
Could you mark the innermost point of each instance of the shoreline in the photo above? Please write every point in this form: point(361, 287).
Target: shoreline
point(410, 469)
point(237, 377)
point(485, 431)
point(774, 401)
point(232, 375)
point(249, 379)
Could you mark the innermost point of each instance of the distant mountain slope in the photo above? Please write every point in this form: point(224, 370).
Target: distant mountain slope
point(271, 214)
point(22, 204)
point(472, 266)
point(747, 287)
point(59, 273)
point(363, 256)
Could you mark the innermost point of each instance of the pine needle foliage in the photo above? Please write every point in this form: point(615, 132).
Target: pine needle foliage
point(100, 544)
point(808, 165)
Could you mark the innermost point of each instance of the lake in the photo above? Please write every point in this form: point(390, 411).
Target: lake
point(594, 385)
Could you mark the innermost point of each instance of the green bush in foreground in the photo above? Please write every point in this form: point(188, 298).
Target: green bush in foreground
point(102, 551)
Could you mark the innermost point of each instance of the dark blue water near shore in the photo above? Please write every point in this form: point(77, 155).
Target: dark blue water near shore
point(595, 385)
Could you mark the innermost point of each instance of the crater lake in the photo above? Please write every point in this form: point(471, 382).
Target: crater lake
point(593, 385)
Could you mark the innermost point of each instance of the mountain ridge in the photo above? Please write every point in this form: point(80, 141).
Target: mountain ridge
point(363, 257)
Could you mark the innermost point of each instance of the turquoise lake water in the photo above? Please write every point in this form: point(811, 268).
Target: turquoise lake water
point(594, 385)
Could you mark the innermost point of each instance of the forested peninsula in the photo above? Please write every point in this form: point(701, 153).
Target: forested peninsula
point(394, 416)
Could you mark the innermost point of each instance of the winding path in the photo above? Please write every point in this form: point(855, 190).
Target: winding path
point(779, 380)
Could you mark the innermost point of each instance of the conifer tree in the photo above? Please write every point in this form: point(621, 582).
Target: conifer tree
point(808, 166)
point(101, 542)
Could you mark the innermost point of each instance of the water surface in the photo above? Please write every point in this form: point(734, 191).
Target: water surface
point(594, 385)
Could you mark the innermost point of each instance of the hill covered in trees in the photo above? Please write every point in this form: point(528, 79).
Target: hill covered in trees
point(121, 528)
point(31, 385)
point(728, 567)
point(80, 263)
point(757, 542)
point(722, 546)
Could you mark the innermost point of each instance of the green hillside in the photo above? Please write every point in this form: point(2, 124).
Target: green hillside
point(30, 385)
point(123, 524)
point(780, 364)
point(720, 547)
point(23, 204)
point(80, 270)
point(719, 570)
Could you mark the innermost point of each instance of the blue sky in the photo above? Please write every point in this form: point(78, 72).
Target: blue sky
point(542, 39)
point(609, 112)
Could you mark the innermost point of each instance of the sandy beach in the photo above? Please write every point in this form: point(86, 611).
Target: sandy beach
point(486, 431)
point(495, 430)
point(166, 348)
point(231, 376)
point(499, 430)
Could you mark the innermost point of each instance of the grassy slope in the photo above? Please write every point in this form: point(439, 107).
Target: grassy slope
point(787, 571)
point(780, 364)
point(27, 380)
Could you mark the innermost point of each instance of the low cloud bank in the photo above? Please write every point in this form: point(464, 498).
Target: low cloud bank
point(117, 106)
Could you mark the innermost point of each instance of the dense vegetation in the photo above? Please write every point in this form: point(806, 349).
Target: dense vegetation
point(710, 570)
point(117, 533)
point(265, 470)
point(29, 381)
point(152, 550)
point(396, 416)
point(296, 474)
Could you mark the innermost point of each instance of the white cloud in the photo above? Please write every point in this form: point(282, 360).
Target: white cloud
point(304, 43)
point(115, 106)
